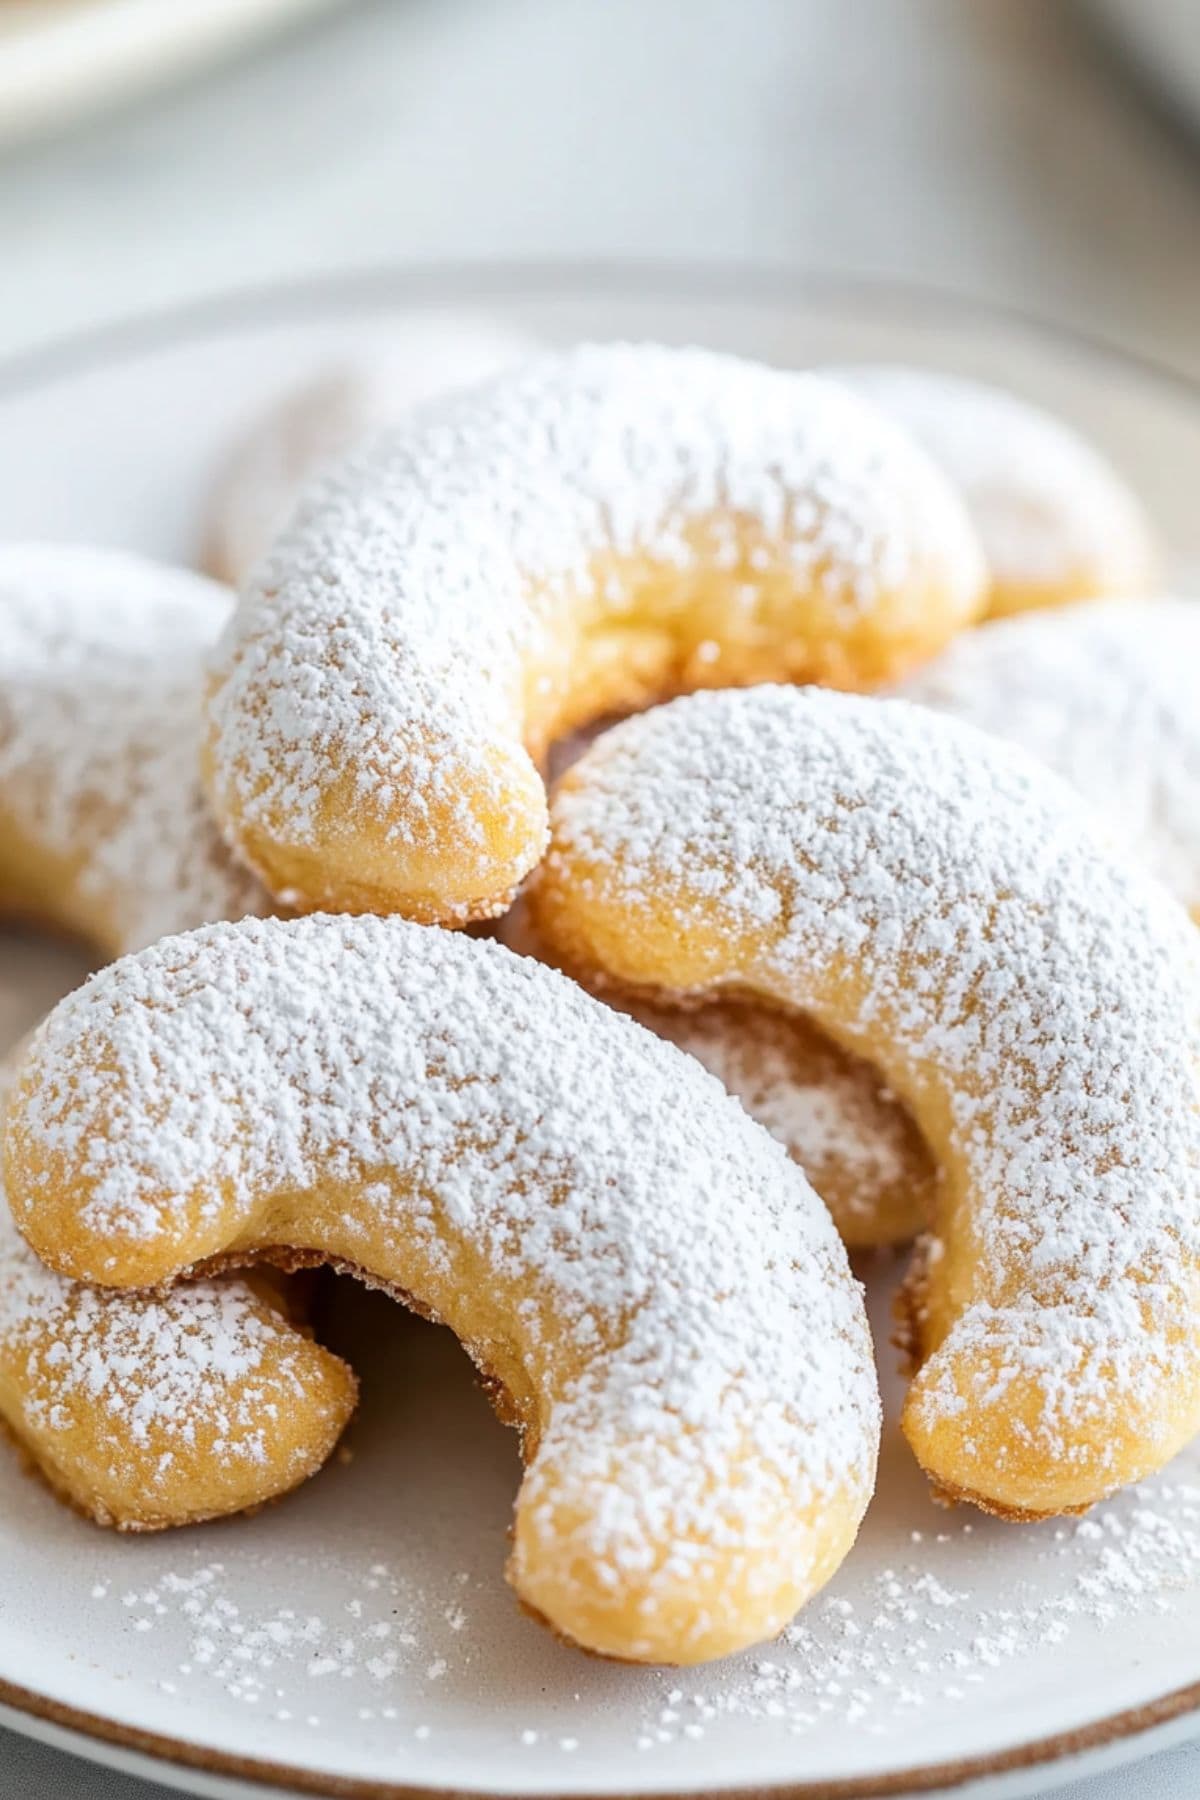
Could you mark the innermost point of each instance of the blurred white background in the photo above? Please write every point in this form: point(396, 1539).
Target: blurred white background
point(995, 148)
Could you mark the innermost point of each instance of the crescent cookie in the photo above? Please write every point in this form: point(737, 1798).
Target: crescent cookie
point(149, 1410)
point(140, 1411)
point(639, 1270)
point(104, 829)
point(855, 1142)
point(1056, 521)
point(940, 903)
point(1106, 694)
point(596, 530)
point(319, 420)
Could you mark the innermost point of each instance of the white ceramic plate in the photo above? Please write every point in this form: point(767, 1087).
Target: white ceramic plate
point(62, 57)
point(359, 1638)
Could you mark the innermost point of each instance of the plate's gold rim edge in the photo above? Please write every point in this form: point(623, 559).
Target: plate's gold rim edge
point(928, 1778)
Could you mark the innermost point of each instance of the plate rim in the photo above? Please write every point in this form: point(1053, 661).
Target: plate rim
point(466, 283)
point(160, 1749)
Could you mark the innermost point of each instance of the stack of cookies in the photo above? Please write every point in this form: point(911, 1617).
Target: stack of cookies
point(858, 913)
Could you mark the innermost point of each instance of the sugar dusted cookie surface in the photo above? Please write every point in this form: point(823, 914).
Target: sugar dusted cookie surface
point(944, 905)
point(647, 1276)
point(854, 1140)
point(104, 830)
point(149, 1410)
point(828, 1108)
point(140, 1410)
point(327, 415)
point(1056, 521)
point(596, 530)
point(1104, 694)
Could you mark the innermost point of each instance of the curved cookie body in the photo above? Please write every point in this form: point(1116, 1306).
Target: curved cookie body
point(595, 531)
point(1056, 521)
point(854, 1140)
point(651, 1281)
point(145, 1411)
point(828, 1108)
point(141, 1411)
point(320, 420)
point(941, 903)
point(104, 829)
point(149, 1410)
point(1105, 695)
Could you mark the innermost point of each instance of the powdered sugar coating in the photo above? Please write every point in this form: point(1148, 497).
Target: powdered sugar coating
point(101, 670)
point(1051, 512)
point(848, 1132)
point(89, 1376)
point(155, 1364)
point(820, 1121)
point(384, 661)
point(341, 405)
point(855, 1142)
point(1037, 1003)
point(497, 1139)
point(1106, 694)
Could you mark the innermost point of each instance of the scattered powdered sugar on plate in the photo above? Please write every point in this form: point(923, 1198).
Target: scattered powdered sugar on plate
point(1105, 693)
point(101, 673)
point(384, 1632)
point(933, 1614)
point(916, 1636)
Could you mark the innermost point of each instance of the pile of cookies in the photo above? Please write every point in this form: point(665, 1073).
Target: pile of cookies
point(866, 921)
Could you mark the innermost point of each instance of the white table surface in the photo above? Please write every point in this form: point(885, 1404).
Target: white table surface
point(989, 148)
point(985, 147)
